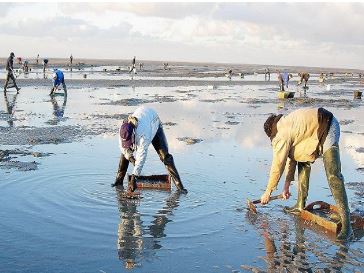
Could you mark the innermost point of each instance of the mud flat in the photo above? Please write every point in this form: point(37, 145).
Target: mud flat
point(59, 156)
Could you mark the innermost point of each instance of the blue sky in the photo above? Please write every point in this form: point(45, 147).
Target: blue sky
point(310, 34)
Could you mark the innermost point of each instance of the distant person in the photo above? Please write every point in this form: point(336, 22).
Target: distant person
point(58, 79)
point(304, 76)
point(71, 60)
point(322, 78)
point(45, 64)
point(141, 129)
point(10, 72)
point(37, 60)
point(25, 66)
point(283, 79)
point(267, 74)
point(165, 66)
point(229, 74)
point(19, 59)
point(141, 66)
point(133, 68)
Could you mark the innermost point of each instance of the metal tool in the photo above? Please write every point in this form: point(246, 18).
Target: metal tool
point(253, 208)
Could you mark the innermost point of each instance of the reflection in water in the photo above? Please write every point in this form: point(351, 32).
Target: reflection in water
point(293, 255)
point(303, 91)
point(58, 111)
point(134, 244)
point(10, 107)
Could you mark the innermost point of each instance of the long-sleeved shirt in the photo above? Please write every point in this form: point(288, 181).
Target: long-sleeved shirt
point(146, 129)
point(296, 141)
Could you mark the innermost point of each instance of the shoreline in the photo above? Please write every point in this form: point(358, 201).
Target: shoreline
point(193, 66)
point(82, 83)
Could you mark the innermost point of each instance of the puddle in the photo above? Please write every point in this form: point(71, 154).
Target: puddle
point(59, 157)
point(189, 140)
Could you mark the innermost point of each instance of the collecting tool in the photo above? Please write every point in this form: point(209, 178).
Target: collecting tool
point(253, 208)
point(285, 94)
point(326, 216)
point(157, 182)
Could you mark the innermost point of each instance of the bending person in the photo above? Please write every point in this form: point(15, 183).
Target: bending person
point(298, 139)
point(136, 133)
point(58, 79)
point(303, 77)
point(283, 79)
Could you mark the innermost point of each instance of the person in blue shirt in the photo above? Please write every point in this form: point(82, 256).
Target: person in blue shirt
point(283, 79)
point(58, 78)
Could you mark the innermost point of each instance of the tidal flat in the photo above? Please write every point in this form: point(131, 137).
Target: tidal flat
point(59, 156)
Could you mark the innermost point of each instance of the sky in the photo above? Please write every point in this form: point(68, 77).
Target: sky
point(302, 34)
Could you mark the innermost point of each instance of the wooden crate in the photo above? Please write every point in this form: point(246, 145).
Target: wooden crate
point(319, 212)
point(157, 182)
point(285, 95)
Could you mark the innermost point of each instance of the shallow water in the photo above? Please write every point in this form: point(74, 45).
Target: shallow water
point(176, 74)
point(64, 216)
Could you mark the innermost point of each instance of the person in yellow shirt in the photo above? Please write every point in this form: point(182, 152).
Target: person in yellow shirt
point(298, 139)
point(304, 76)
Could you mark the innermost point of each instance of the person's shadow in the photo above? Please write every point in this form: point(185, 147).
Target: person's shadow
point(136, 241)
point(10, 107)
point(57, 110)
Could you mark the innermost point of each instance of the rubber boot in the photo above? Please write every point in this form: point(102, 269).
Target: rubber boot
point(160, 145)
point(304, 170)
point(336, 182)
point(172, 170)
point(123, 167)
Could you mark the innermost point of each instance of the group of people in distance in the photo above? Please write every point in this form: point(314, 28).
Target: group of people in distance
point(284, 77)
point(58, 76)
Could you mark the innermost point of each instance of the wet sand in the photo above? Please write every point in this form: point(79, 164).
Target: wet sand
point(59, 156)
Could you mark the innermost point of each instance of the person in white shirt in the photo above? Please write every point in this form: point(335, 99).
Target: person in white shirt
point(141, 129)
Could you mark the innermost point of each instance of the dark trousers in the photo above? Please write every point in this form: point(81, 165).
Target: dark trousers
point(160, 144)
point(9, 76)
point(55, 87)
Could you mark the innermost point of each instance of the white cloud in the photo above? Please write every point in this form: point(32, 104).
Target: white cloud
point(312, 34)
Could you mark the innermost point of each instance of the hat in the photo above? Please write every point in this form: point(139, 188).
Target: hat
point(126, 134)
